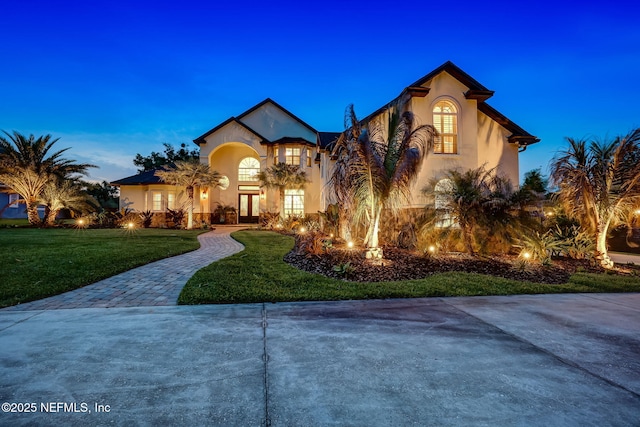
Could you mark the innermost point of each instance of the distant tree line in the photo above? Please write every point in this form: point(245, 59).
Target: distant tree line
point(169, 157)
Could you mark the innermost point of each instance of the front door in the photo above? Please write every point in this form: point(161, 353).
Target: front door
point(249, 208)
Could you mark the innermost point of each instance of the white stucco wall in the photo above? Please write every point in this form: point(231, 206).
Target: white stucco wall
point(481, 141)
point(132, 197)
point(494, 151)
point(225, 159)
point(273, 123)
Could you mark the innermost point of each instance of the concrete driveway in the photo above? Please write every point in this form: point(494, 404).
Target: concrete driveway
point(543, 360)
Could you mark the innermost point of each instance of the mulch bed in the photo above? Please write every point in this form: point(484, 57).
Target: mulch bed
point(400, 264)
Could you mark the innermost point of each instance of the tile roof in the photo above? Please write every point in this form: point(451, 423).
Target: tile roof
point(143, 178)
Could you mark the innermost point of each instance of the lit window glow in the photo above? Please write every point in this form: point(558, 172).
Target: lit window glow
point(157, 201)
point(293, 202)
point(248, 169)
point(445, 120)
point(292, 156)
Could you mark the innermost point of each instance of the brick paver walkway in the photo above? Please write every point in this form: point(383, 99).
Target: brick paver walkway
point(158, 283)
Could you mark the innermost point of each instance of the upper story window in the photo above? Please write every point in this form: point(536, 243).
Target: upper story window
point(308, 157)
point(292, 156)
point(445, 120)
point(248, 169)
point(276, 156)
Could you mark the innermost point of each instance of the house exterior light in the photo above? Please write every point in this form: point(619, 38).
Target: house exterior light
point(350, 244)
point(203, 194)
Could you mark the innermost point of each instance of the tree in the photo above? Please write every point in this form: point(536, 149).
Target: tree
point(373, 173)
point(59, 194)
point(157, 160)
point(189, 174)
point(599, 184)
point(26, 166)
point(283, 176)
point(105, 193)
point(479, 206)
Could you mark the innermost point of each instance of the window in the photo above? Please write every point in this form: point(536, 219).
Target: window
point(293, 202)
point(308, 157)
point(223, 184)
point(445, 120)
point(276, 156)
point(13, 200)
point(248, 169)
point(171, 201)
point(443, 190)
point(292, 156)
point(156, 201)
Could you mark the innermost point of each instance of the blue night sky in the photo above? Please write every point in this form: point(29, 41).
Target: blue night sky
point(116, 78)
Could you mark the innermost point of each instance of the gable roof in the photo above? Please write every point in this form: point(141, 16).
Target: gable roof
point(476, 91)
point(201, 139)
point(143, 178)
point(269, 100)
point(518, 135)
point(327, 139)
point(455, 72)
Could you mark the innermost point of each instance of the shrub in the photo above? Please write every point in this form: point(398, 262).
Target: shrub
point(146, 217)
point(269, 220)
point(176, 216)
point(311, 243)
point(344, 269)
point(330, 219)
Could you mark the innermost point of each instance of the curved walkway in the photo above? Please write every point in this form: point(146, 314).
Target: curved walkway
point(154, 284)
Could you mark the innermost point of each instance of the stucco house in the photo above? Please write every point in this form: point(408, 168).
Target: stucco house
point(472, 134)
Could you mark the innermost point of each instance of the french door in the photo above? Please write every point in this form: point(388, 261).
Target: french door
point(248, 208)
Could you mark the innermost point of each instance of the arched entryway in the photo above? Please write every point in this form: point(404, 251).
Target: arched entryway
point(240, 164)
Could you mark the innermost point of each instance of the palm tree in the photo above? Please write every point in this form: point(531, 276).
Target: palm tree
point(26, 166)
point(598, 184)
point(189, 174)
point(283, 176)
point(60, 194)
point(374, 172)
point(479, 207)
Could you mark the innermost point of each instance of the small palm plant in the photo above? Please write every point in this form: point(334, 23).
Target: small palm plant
point(58, 194)
point(283, 176)
point(189, 174)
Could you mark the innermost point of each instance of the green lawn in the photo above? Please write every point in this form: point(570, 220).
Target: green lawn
point(259, 274)
point(37, 263)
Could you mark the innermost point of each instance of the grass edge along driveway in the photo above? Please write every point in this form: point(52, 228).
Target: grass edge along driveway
point(38, 263)
point(259, 274)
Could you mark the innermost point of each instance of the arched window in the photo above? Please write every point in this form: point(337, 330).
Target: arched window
point(445, 120)
point(248, 169)
point(443, 190)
